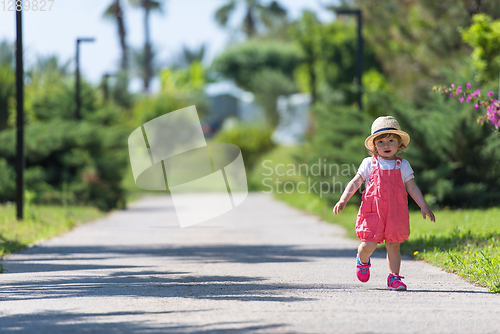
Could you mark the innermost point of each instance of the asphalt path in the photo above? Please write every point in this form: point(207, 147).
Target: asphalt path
point(262, 268)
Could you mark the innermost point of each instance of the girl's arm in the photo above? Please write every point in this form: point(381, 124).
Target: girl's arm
point(350, 189)
point(415, 193)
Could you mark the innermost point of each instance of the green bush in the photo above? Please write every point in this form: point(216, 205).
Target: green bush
point(148, 108)
point(67, 161)
point(240, 62)
point(7, 181)
point(90, 159)
point(337, 143)
point(267, 85)
point(7, 79)
point(252, 140)
point(455, 159)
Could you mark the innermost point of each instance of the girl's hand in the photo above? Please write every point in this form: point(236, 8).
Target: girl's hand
point(339, 207)
point(427, 212)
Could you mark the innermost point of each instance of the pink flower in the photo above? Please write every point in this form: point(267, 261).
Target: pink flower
point(490, 94)
point(469, 98)
point(446, 91)
point(468, 85)
point(476, 106)
point(451, 94)
point(452, 85)
point(461, 100)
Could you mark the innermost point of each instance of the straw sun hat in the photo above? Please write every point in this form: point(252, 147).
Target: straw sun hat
point(382, 125)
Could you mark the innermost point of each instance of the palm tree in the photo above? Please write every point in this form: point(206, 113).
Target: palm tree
point(147, 5)
point(255, 13)
point(188, 56)
point(115, 12)
point(139, 62)
point(192, 55)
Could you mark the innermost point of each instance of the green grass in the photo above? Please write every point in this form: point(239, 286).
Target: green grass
point(40, 222)
point(466, 242)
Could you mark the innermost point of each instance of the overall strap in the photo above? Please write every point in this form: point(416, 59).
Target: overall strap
point(374, 162)
point(399, 161)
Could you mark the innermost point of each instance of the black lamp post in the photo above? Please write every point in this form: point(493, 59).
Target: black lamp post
point(20, 116)
point(77, 89)
point(357, 12)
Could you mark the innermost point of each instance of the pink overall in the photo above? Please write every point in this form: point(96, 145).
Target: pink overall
point(383, 214)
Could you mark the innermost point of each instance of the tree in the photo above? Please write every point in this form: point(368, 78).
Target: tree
point(188, 56)
point(329, 64)
point(115, 12)
point(7, 79)
point(266, 68)
point(307, 31)
point(484, 37)
point(147, 5)
point(256, 14)
point(241, 62)
point(414, 40)
point(144, 64)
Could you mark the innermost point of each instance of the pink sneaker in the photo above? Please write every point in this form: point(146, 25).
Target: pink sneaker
point(394, 283)
point(363, 270)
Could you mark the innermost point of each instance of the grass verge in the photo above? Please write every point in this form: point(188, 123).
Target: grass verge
point(465, 242)
point(40, 222)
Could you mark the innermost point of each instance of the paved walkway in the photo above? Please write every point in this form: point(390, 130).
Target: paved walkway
point(262, 268)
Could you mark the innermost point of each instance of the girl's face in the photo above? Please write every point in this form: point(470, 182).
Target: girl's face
point(387, 147)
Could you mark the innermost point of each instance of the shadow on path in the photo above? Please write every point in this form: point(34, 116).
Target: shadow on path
point(70, 322)
point(205, 253)
point(93, 279)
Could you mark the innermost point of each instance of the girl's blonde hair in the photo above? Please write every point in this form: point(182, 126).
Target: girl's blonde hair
point(401, 147)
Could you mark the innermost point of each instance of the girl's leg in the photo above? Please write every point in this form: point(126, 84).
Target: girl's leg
point(393, 257)
point(366, 249)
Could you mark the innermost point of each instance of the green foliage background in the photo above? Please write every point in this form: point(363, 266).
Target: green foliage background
point(80, 162)
point(409, 47)
point(455, 159)
point(253, 141)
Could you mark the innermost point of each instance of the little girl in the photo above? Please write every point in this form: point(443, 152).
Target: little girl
point(383, 214)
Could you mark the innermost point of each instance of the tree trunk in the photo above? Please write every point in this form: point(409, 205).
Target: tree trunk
point(147, 48)
point(122, 34)
point(249, 23)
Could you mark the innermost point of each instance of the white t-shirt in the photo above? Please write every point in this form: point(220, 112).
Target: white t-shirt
point(366, 167)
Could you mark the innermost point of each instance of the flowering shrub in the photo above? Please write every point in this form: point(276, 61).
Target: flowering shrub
point(491, 105)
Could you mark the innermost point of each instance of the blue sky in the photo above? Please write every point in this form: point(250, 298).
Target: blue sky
point(184, 22)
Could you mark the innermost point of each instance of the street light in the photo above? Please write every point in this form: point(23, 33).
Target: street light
point(357, 12)
point(20, 160)
point(77, 89)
